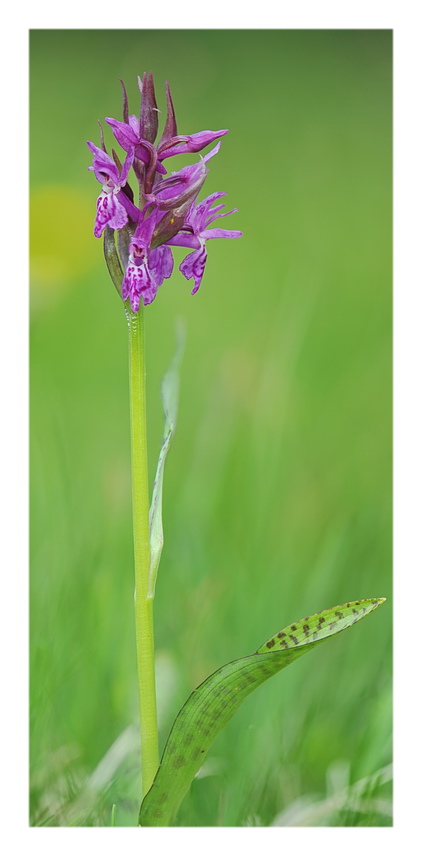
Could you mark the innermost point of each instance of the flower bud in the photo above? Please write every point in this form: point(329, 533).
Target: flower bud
point(148, 125)
point(170, 129)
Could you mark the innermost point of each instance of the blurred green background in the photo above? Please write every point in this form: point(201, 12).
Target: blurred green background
point(277, 497)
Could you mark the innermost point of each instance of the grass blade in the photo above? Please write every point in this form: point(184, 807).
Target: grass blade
point(212, 704)
point(170, 397)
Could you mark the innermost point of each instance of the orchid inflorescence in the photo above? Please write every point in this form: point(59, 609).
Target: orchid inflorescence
point(168, 213)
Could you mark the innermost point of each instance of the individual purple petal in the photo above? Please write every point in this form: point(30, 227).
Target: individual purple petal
point(221, 233)
point(134, 124)
point(103, 165)
point(188, 144)
point(211, 153)
point(193, 267)
point(124, 133)
point(127, 203)
point(209, 200)
point(214, 215)
point(126, 167)
point(150, 218)
point(185, 239)
point(96, 151)
point(202, 209)
point(202, 215)
point(161, 263)
point(197, 142)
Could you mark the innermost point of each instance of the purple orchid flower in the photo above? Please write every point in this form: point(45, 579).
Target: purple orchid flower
point(147, 268)
point(168, 213)
point(195, 233)
point(112, 204)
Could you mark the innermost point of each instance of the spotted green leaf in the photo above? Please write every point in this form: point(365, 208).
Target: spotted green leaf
point(213, 703)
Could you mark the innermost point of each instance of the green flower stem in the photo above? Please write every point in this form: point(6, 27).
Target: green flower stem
point(141, 538)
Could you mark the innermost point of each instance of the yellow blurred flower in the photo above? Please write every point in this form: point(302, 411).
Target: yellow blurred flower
point(62, 244)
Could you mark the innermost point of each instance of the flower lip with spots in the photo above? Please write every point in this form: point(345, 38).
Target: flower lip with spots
point(113, 205)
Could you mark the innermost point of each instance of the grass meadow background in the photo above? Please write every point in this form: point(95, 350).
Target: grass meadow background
point(277, 497)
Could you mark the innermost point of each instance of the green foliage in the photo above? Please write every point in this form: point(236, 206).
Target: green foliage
point(170, 397)
point(359, 803)
point(214, 702)
point(278, 489)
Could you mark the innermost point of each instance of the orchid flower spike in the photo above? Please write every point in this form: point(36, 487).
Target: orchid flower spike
point(168, 213)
